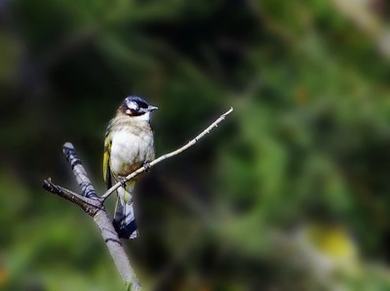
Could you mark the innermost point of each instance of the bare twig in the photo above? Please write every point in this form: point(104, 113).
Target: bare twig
point(93, 206)
point(90, 206)
point(168, 155)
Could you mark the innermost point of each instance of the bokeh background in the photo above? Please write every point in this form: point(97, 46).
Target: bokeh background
point(290, 193)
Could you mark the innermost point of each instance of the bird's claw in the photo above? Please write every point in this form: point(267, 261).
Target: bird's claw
point(123, 182)
point(147, 166)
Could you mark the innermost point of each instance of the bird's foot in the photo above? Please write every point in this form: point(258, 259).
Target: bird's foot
point(123, 181)
point(147, 166)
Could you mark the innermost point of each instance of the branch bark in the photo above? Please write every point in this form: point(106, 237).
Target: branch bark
point(93, 205)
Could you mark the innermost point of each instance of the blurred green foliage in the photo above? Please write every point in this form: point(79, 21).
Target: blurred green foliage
point(308, 142)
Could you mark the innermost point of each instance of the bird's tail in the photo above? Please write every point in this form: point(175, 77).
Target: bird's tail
point(124, 219)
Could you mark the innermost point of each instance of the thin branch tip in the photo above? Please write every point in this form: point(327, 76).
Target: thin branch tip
point(46, 183)
point(170, 154)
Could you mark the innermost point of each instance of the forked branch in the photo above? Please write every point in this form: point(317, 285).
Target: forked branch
point(93, 205)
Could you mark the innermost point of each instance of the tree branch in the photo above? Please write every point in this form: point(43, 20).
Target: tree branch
point(79, 172)
point(90, 206)
point(168, 155)
point(93, 205)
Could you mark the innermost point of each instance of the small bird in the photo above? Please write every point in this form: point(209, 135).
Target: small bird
point(128, 145)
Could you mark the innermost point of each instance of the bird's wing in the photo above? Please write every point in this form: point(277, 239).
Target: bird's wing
point(106, 160)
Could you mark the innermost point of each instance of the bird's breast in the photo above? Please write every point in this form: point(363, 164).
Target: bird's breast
point(130, 150)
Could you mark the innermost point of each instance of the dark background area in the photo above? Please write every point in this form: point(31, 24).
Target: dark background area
point(291, 192)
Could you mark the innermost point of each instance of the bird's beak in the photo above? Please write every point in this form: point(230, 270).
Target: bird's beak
point(152, 108)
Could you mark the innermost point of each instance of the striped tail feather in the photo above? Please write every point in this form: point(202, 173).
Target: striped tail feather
point(124, 218)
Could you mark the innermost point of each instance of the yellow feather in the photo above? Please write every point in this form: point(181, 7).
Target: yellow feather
point(106, 159)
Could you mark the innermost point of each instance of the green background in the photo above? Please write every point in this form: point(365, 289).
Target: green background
point(308, 142)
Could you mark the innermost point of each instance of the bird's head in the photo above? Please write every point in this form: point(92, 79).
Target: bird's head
point(136, 107)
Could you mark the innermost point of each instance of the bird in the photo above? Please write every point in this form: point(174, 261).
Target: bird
point(128, 145)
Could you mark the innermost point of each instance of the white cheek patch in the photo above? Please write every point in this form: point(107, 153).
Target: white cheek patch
point(143, 117)
point(128, 111)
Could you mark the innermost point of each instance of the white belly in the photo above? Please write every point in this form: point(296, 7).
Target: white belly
point(129, 150)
